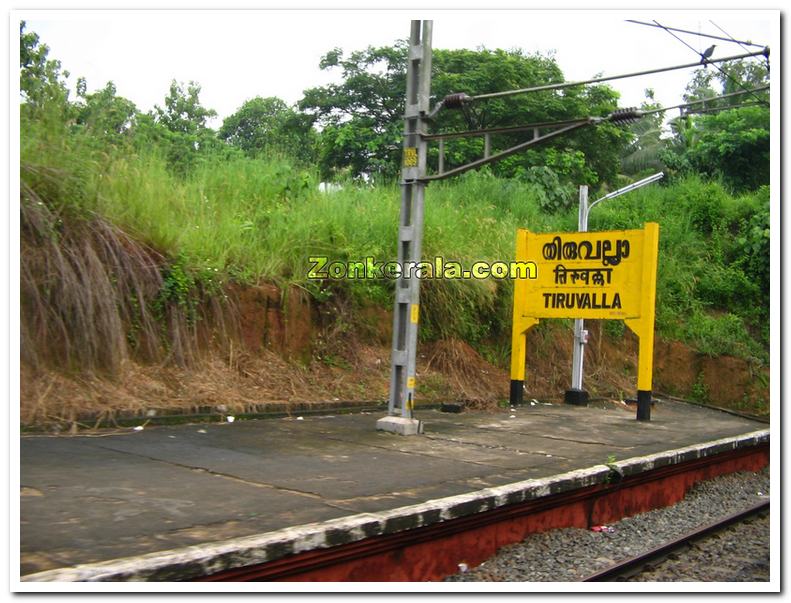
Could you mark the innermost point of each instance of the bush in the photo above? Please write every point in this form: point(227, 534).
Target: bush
point(249, 219)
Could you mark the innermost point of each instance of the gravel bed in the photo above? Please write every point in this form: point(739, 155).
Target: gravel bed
point(739, 553)
point(570, 554)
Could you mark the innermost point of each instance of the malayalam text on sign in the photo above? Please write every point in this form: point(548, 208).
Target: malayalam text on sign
point(594, 275)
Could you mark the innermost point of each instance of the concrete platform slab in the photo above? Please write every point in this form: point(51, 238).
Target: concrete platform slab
point(88, 499)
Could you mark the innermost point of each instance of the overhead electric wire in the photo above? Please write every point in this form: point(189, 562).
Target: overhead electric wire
point(726, 108)
point(620, 115)
point(695, 33)
point(580, 120)
point(507, 152)
point(502, 130)
point(597, 80)
point(737, 41)
point(705, 100)
point(730, 37)
point(706, 61)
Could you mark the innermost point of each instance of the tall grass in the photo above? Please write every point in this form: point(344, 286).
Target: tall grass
point(253, 219)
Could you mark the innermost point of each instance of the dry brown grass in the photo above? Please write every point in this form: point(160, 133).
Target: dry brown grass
point(472, 379)
point(249, 383)
point(88, 294)
point(85, 286)
point(93, 345)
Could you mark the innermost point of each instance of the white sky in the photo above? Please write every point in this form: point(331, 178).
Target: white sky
point(237, 55)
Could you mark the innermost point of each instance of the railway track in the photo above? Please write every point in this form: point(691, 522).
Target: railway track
point(632, 566)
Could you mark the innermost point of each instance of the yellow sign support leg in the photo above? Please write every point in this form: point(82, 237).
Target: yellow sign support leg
point(643, 327)
point(520, 326)
point(519, 356)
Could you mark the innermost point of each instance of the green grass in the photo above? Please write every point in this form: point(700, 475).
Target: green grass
point(252, 219)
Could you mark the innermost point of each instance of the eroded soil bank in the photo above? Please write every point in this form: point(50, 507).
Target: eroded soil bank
point(281, 351)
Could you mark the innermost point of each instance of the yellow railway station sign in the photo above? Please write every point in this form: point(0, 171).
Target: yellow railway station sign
point(584, 274)
point(588, 275)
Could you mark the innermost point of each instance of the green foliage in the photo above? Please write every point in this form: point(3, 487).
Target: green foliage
point(718, 334)
point(751, 248)
point(183, 113)
point(263, 125)
point(643, 155)
point(106, 117)
point(734, 76)
point(731, 144)
point(587, 156)
point(734, 145)
point(234, 210)
point(552, 195)
point(700, 391)
point(361, 117)
point(42, 84)
point(178, 287)
point(614, 328)
point(184, 120)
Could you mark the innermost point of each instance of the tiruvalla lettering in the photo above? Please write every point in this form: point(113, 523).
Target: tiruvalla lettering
point(582, 301)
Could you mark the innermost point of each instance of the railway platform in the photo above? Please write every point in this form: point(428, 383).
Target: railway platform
point(331, 498)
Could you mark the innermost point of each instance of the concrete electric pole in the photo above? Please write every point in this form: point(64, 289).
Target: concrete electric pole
point(410, 234)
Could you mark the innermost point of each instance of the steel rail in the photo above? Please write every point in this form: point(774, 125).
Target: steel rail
point(291, 567)
point(634, 565)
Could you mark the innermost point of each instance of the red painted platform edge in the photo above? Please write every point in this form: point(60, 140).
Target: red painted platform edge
point(434, 552)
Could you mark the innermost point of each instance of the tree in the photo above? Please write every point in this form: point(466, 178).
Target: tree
point(183, 112)
point(104, 114)
point(42, 85)
point(730, 140)
point(184, 119)
point(264, 124)
point(587, 156)
point(734, 146)
point(642, 154)
point(362, 117)
point(736, 76)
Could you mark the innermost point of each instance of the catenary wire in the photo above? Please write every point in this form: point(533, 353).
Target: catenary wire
point(457, 100)
point(695, 33)
point(730, 37)
point(707, 100)
point(580, 120)
point(742, 44)
point(707, 61)
point(726, 108)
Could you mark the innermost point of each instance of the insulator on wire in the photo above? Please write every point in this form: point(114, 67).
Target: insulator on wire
point(456, 100)
point(625, 116)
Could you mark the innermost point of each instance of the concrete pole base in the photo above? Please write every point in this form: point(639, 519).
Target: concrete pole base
point(577, 397)
point(400, 425)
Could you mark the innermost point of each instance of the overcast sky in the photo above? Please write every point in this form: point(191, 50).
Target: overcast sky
point(237, 55)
